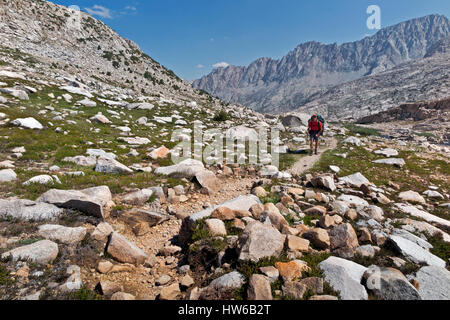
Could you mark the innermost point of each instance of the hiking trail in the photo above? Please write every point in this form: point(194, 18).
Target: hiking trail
point(307, 162)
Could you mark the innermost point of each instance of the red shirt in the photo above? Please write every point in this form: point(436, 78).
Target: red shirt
point(315, 126)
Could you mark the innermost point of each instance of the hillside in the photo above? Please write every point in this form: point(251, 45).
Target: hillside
point(80, 46)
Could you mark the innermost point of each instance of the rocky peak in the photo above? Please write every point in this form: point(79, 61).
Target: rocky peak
point(276, 85)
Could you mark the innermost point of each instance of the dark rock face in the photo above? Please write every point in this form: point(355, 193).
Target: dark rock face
point(413, 111)
point(312, 68)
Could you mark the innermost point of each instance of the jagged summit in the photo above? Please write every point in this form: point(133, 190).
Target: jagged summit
point(281, 85)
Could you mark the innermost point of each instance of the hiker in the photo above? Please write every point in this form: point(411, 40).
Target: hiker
point(315, 129)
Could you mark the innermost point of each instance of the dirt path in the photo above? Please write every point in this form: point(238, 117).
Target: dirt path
point(307, 162)
point(141, 281)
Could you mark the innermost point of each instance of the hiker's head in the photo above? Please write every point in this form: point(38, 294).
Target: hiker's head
point(314, 117)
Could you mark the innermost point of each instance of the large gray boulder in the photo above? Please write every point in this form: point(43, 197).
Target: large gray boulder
point(260, 241)
point(343, 237)
point(124, 251)
point(137, 198)
point(432, 194)
point(422, 226)
point(28, 123)
point(185, 169)
point(7, 175)
point(108, 165)
point(353, 140)
point(151, 218)
point(62, 234)
point(415, 253)
point(21, 94)
point(353, 200)
point(339, 207)
point(82, 160)
point(355, 180)
point(324, 181)
point(412, 237)
point(41, 252)
point(221, 287)
point(90, 201)
point(389, 284)
point(345, 277)
point(371, 212)
point(428, 217)
point(388, 152)
point(412, 197)
point(434, 283)
point(242, 133)
point(208, 180)
point(243, 203)
point(26, 210)
point(100, 153)
point(259, 288)
point(42, 179)
point(296, 119)
point(398, 162)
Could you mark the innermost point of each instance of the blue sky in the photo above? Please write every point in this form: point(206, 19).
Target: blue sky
point(191, 36)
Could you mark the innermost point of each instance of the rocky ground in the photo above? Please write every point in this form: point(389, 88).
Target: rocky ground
point(91, 207)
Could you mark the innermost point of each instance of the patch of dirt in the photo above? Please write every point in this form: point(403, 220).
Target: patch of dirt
point(307, 162)
point(141, 281)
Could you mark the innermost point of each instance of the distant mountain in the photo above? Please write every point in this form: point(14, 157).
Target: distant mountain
point(414, 81)
point(312, 68)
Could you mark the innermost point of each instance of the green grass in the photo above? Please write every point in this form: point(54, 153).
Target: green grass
point(313, 260)
point(222, 116)
point(355, 129)
point(248, 268)
point(425, 134)
point(200, 231)
point(26, 242)
point(50, 148)
point(307, 220)
point(5, 276)
point(360, 160)
point(84, 294)
point(271, 198)
point(231, 230)
point(440, 247)
point(288, 160)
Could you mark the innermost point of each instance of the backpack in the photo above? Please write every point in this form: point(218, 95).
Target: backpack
point(322, 120)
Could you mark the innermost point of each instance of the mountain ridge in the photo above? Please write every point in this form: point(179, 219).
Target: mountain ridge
point(270, 85)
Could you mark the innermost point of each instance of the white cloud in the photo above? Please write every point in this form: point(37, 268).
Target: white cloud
point(200, 66)
point(131, 8)
point(221, 65)
point(100, 11)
